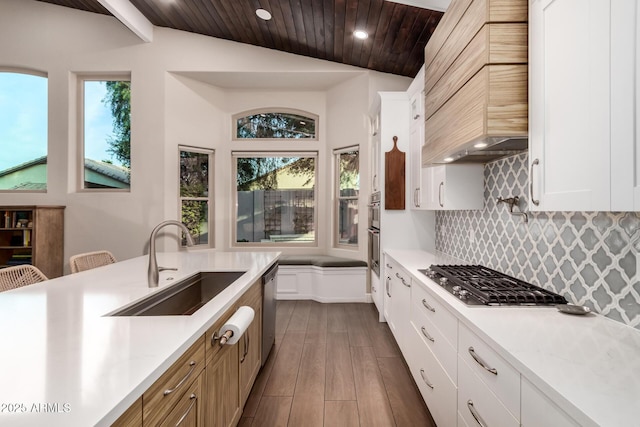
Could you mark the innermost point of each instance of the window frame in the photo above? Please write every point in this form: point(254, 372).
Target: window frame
point(235, 117)
point(234, 189)
point(43, 74)
point(338, 198)
point(81, 79)
point(210, 199)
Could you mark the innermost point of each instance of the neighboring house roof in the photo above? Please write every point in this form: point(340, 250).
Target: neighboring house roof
point(116, 172)
point(39, 161)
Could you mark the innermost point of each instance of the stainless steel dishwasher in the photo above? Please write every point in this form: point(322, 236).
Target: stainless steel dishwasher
point(269, 281)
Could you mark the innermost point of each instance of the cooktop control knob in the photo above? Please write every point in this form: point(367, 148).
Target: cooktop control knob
point(456, 289)
point(443, 281)
point(463, 293)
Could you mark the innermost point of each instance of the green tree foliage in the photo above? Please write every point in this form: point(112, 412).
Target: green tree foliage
point(118, 99)
point(276, 125)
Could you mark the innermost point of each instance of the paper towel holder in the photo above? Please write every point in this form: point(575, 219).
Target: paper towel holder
point(223, 339)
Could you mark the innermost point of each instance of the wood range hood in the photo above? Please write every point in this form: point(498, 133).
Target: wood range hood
point(476, 98)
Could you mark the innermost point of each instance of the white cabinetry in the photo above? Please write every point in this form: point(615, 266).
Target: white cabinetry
point(416, 140)
point(397, 301)
point(538, 411)
point(583, 105)
point(453, 187)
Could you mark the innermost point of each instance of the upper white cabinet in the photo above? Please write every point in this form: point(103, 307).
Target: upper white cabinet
point(583, 105)
point(454, 187)
point(416, 140)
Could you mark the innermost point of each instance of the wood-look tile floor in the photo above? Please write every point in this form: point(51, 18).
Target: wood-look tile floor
point(334, 365)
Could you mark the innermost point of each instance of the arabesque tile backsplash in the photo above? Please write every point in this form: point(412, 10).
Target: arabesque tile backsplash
point(589, 257)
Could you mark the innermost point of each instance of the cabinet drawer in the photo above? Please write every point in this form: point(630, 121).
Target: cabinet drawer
point(433, 338)
point(475, 397)
point(188, 410)
point(437, 389)
point(252, 295)
point(163, 395)
point(538, 410)
point(500, 377)
point(423, 302)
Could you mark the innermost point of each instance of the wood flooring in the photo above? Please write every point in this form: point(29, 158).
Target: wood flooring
point(334, 365)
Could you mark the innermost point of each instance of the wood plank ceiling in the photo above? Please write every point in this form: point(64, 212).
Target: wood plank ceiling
point(316, 28)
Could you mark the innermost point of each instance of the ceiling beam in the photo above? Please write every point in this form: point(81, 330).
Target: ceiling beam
point(131, 17)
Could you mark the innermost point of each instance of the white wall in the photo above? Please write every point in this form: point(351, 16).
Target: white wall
point(167, 110)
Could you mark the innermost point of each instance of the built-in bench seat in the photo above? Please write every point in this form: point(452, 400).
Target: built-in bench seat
point(322, 278)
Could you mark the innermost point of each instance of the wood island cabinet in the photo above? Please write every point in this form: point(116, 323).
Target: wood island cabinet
point(33, 235)
point(251, 343)
point(209, 384)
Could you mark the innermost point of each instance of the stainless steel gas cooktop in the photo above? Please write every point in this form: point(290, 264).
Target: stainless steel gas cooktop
point(479, 285)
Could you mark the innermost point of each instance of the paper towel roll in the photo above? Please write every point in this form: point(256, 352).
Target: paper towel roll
point(238, 324)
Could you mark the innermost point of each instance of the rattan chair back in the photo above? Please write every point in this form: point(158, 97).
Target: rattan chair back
point(89, 260)
point(20, 275)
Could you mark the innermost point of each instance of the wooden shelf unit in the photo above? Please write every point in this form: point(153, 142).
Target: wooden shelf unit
point(32, 235)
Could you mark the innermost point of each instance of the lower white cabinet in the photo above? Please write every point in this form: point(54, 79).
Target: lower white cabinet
point(498, 375)
point(538, 411)
point(437, 389)
point(477, 404)
point(454, 187)
point(464, 381)
point(377, 292)
point(397, 301)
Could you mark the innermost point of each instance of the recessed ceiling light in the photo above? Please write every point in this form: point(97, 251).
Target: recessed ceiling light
point(480, 145)
point(360, 34)
point(263, 14)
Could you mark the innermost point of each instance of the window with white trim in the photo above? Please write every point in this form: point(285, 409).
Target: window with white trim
point(23, 130)
point(196, 193)
point(275, 123)
point(347, 196)
point(275, 198)
point(105, 137)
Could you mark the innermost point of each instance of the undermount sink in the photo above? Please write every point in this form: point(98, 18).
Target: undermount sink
point(183, 298)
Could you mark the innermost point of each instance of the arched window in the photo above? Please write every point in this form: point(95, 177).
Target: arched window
point(275, 123)
point(23, 130)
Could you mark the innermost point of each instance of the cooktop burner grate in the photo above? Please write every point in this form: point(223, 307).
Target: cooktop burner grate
point(490, 287)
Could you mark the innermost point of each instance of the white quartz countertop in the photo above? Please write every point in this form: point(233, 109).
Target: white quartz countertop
point(588, 365)
point(64, 363)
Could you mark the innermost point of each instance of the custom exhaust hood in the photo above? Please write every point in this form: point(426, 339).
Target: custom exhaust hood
point(476, 97)
point(495, 148)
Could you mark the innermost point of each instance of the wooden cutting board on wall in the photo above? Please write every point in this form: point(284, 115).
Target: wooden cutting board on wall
point(394, 178)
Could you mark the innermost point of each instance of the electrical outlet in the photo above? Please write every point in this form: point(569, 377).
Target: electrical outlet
point(472, 235)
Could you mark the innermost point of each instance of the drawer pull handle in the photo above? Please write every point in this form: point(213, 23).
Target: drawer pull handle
point(424, 302)
point(403, 282)
point(171, 390)
point(193, 399)
point(476, 416)
point(481, 362)
point(388, 281)
point(246, 347)
point(426, 334)
point(424, 378)
point(389, 266)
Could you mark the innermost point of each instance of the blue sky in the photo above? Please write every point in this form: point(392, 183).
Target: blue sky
point(23, 119)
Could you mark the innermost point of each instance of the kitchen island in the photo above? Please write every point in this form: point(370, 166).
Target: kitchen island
point(534, 365)
point(65, 362)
